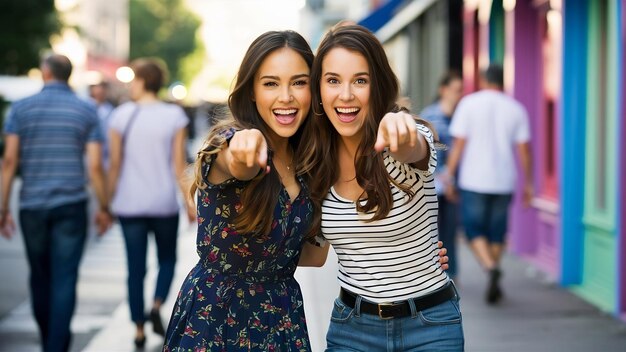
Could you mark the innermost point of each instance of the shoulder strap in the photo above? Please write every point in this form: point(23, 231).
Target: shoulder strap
point(129, 124)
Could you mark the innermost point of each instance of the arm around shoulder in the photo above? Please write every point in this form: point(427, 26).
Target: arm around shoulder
point(313, 255)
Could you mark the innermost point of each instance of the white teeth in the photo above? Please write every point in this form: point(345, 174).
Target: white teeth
point(285, 111)
point(347, 110)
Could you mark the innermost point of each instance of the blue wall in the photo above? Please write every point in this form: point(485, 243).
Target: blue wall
point(575, 23)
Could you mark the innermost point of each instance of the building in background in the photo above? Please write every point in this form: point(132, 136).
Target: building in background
point(95, 37)
point(564, 61)
point(422, 38)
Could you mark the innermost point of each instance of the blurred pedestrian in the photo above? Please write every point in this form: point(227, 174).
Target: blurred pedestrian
point(488, 127)
point(147, 161)
point(47, 136)
point(99, 92)
point(372, 186)
point(439, 114)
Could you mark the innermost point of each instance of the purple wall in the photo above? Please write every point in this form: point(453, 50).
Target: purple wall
point(526, 52)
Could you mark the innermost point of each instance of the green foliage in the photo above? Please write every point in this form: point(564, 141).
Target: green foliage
point(25, 27)
point(191, 64)
point(165, 29)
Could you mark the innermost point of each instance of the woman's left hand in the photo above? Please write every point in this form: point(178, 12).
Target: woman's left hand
point(443, 258)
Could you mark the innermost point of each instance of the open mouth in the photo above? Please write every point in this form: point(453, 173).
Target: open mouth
point(285, 116)
point(347, 114)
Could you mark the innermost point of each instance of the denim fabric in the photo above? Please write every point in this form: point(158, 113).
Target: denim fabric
point(437, 328)
point(54, 240)
point(447, 223)
point(485, 215)
point(135, 230)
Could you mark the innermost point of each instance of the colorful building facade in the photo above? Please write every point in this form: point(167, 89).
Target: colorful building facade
point(564, 61)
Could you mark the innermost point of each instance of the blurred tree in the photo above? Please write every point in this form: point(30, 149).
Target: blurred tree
point(165, 29)
point(26, 26)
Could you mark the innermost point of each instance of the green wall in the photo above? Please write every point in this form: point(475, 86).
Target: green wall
point(599, 282)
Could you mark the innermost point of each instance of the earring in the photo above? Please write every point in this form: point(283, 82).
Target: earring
point(320, 103)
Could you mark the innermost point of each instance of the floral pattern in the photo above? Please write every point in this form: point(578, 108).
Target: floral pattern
point(242, 295)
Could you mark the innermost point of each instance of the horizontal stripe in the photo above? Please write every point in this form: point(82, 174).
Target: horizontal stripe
point(394, 258)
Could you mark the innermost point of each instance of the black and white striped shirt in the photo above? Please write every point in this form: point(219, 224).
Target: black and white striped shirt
point(394, 258)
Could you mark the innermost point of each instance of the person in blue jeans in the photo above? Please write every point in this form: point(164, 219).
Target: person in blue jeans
point(371, 168)
point(147, 140)
point(489, 128)
point(439, 114)
point(47, 135)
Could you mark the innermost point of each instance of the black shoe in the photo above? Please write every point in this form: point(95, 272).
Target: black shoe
point(140, 342)
point(157, 324)
point(494, 293)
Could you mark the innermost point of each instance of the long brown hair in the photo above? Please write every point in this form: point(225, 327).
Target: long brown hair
point(322, 161)
point(260, 196)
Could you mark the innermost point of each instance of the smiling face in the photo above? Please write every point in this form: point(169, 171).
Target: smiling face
point(345, 90)
point(281, 91)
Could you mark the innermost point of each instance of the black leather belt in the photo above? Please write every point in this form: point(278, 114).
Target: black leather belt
point(399, 309)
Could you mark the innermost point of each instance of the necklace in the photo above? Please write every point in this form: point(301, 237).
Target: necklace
point(288, 166)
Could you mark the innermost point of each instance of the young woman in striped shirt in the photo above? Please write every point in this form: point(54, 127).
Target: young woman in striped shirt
point(373, 189)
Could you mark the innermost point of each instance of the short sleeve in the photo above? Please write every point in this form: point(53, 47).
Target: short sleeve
point(522, 132)
point(180, 118)
point(120, 116)
point(458, 126)
point(96, 133)
point(11, 124)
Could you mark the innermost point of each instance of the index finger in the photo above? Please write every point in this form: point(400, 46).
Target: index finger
point(262, 152)
point(412, 126)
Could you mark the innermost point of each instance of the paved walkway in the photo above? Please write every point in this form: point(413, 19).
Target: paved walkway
point(536, 315)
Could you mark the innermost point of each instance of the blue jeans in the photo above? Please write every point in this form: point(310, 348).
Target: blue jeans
point(447, 223)
point(54, 240)
point(485, 214)
point(437, 328)
point(135, 230)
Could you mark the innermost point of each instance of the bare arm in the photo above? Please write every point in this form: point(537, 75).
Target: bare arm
point(455, 155)
point(9, 167)
point(115, 161)
point(526, 163)
point(313, 255)
point(179, 162)
point(458, 145)
point(98, 183)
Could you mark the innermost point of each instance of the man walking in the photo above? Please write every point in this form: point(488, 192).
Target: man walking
point(47, 135)
point(488, 126)
point(439, 114)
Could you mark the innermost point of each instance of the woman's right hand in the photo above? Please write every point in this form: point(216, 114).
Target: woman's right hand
point(247, 152)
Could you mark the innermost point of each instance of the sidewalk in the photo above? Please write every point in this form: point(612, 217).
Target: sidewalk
point(535, 315)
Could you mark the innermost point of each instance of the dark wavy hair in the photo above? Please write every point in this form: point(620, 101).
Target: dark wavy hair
point(260, 196)
point(321, 161)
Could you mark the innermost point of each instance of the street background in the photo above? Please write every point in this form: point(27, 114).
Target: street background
point(535, 315)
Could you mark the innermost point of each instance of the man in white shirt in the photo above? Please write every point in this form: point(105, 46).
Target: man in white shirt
point(488, 126)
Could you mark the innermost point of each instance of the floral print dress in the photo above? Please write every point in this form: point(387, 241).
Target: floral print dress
point(242, 294)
